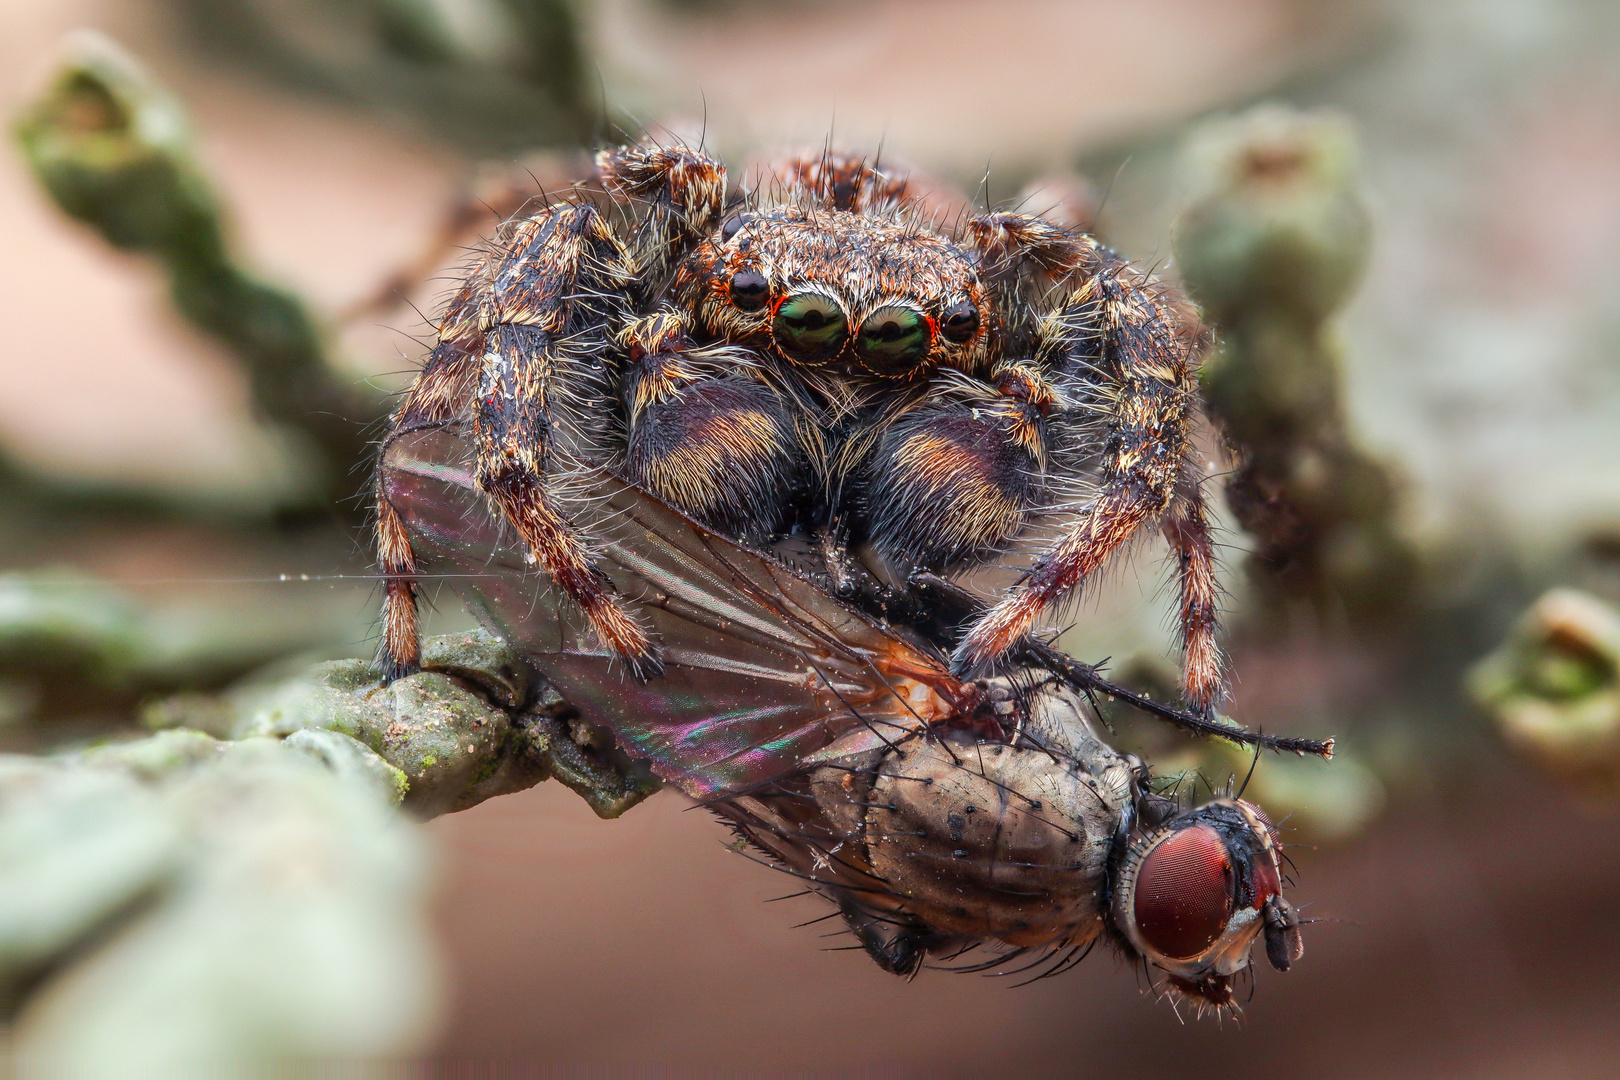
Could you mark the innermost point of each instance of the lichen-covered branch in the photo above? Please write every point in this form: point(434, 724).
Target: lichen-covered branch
point(473, 724)
point(112, 148)
point(239, 885)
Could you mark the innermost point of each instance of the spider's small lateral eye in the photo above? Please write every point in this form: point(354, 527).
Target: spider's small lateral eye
point(749, 289)
point(961, 322)
point(810, 326)
point(894, 337)
point(732, 225)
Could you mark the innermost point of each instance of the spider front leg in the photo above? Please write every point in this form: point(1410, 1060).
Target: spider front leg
point(679, 193)
point(1186, 527)
point(1115, 325)
point(439, 394)
point(526, 341)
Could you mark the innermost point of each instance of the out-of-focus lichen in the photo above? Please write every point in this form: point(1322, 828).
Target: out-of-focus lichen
point(1272, 242)
point(493, 75)
point(1553, 689)
point(1323, 802)
point(77, 846)
point(238, 885)
point(75, 650)
point(112, 148)
point(180, 899)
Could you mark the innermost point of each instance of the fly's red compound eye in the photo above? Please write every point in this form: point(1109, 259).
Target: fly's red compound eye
point(1184, 893)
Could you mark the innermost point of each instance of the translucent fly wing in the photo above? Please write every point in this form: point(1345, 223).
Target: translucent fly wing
point(762, 669)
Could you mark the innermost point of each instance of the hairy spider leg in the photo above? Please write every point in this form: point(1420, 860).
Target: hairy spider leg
point(1149, 346)
point(532, 321)
point(677, 191)
point(533, 304)
point(841, 181)
point(558, 282)
point(1186, 526)
point(439, 394)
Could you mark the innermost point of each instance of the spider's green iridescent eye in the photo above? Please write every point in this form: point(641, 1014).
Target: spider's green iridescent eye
point(894, 337)
point(810, 326)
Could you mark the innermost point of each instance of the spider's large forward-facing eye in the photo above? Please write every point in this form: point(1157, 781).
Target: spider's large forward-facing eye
point(749, 289)
point(1184, 893)
point(894, 337)
point(810, 326)
point(960, 323)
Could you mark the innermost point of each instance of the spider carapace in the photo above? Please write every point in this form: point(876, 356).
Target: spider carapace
point(823, 356)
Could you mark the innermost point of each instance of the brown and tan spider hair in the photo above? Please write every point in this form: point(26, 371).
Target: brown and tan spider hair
point(821, 355)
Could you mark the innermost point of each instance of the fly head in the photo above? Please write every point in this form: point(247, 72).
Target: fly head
point(1195, 893)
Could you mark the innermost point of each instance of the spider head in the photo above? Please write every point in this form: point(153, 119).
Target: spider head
point(841, 291)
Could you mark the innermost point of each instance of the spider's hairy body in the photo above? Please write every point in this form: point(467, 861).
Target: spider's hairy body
point(821, 356)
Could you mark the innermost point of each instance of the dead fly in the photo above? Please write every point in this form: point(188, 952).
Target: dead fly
point(938, 814)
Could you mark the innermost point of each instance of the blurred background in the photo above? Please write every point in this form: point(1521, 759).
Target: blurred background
point(220, 221)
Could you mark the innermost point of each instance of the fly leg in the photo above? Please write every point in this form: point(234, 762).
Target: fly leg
point(897, 948)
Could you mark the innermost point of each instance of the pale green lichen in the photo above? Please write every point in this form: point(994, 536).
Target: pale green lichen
point(1553, 689)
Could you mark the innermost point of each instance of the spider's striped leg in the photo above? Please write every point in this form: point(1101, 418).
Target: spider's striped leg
point(554, 290)
point(1186, 526)
point(522, 350)
point(439, 394)
point(400, 649)
point(677, 191)
point(1131, 334)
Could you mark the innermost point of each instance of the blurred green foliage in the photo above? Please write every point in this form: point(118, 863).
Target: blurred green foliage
point(495, 76)
point(112, 148)
point(1553, 689)
point(1272, 242)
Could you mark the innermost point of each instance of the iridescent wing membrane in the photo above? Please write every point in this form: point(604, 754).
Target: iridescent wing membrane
point(761, 668)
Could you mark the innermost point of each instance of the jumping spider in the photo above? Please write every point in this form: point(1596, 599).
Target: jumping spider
point(818, 356)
